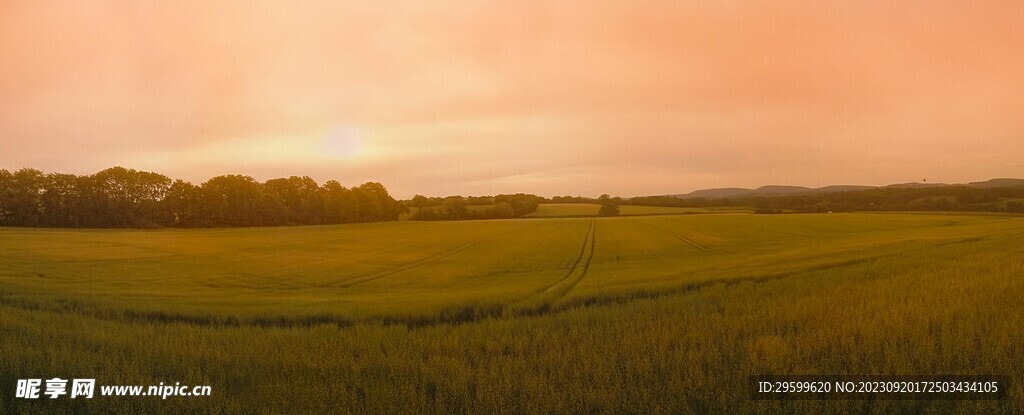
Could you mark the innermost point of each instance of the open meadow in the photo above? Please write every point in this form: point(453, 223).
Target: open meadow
point(643, 314)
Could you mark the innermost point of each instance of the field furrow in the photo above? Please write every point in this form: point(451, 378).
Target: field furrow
point(542, 300)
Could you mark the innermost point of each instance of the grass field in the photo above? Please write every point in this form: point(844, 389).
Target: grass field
point(663, 314)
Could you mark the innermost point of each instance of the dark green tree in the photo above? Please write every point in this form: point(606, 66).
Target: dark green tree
point(608, 206)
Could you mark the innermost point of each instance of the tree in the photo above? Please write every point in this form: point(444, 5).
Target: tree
point(608, 206)
point(121, 197)
point(231, 200)
point(487, 207)
point(60, 201)
point(276, 207)
point(522, 204)
point(503, 210)
point(455, 206)
point(338, 203)
point(181, 204)
point(131, 197)
point(6, 195)
point(295, 200)
point(420, 201)
point(22, 197)
point(375, 204)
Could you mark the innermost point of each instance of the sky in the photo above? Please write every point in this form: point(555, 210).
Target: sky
point(475, 97)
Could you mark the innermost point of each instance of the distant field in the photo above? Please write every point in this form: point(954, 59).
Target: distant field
point(553, 315)
point(585, 209)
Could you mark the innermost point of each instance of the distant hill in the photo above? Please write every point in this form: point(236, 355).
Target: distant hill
point(842, 188)
point(716, 193)
point(770, 190)
point(781, 190)
point(913, 185)
point(776, 190)
point(1003, 182)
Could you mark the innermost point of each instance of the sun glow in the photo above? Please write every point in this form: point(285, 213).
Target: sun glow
point(344, 144)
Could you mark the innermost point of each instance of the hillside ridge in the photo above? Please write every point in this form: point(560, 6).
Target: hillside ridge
point(775, 190)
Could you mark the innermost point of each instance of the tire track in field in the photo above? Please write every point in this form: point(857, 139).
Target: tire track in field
point(684, 239)
point(454, 316)
point(543, 299)
point(404, 267)
point(692, 243)
point(590, 258)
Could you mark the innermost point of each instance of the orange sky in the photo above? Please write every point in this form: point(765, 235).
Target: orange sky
point(474, 97)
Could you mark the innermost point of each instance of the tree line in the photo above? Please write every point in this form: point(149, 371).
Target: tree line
point(119, 197)
point(474, 207)
point(940, 198)
point(946, 198)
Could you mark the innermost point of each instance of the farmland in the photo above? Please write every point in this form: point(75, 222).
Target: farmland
point(628, 314)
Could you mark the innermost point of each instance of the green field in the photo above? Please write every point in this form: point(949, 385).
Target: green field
point(663, 314)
